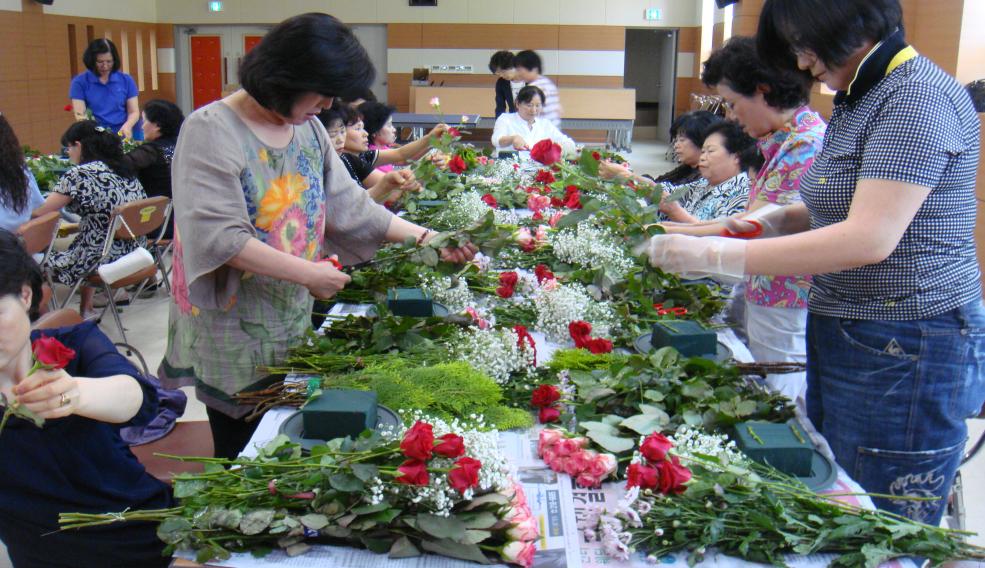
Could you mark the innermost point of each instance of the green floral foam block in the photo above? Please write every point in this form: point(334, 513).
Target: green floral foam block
point(686, 336)
point(412, 302)
point(784, 446)
point(338, 413)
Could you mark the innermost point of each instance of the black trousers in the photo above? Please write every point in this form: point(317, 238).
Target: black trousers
point(229, 435)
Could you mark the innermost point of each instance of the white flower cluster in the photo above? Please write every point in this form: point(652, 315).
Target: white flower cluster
point(494, 351)
point(438, 496)
point(455, 296)
point(559, 305)
point(588, 245)
point(609, 527)
point(466, 208)
point(688, 441)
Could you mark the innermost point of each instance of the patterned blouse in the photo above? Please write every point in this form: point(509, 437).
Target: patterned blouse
point(789, 153)
point(707, 202)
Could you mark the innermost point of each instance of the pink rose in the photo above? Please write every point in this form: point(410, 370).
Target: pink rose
point(580, 462)
point(525, 239)
point(567, 446)
point(555, 218)
point(548, 455)
point(519, 499)
point(541, 233)
point(525, 530)
point(550, 284)
point(602, 466)
point(549, 437)
point(573, 465)
point(537, 202)
point(586, 479)
point(519, 552)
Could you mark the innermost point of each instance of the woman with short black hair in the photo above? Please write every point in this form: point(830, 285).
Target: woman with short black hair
point(896, 326)
point(522, 129)
point(378, 121)
point(77, 461)
point(152, 159)
point(261, 201)
point(108, 93)
point(101, 181)
point(507, 86)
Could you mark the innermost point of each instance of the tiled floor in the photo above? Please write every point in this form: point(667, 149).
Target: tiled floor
point(146, 328)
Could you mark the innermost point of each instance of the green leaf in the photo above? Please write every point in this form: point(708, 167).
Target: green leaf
point(314, 521)
point(482, 520)
point(365, 471)
point(184, 488)
point(600, 428)
point(573, 218)
point(214, 468)
point(454, 549)
point(476, 536)
point(646, 423)
point(429, 256)
point(173, 529)
point(345, 482)
point(441, 527)
point(377, 545)
point(256, 521)
point(596, 392)
point(403, 548)
point(611, 443)
point(588, 163)
point(375, 508)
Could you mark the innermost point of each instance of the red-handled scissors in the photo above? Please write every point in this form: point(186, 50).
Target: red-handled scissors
point(335, 262)
point(662, 311)
point(756, 232)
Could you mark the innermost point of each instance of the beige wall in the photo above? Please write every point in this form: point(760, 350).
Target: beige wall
point(675, 13)
point(130, 10)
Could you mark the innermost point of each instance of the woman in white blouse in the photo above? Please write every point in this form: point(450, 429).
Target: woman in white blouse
point(522, 129)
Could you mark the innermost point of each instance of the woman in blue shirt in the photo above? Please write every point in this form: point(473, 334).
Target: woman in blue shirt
point(76, 462)
point(19, 193)
point(109, 93)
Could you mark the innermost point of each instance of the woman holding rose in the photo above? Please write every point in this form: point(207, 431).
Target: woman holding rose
point(261, 198)
point(75, 462)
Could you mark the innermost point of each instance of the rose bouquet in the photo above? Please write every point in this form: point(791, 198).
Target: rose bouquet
point(434, 487)
point(696, 493)
point(46, 353)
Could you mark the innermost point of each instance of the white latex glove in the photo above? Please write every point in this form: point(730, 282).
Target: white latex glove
point(771, 217)
point(699, 257)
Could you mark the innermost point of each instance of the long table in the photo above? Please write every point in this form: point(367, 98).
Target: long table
point(619, 132)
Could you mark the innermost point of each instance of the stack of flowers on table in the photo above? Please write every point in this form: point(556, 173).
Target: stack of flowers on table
point(434, 487)
point(696, 492)
point(572, 456)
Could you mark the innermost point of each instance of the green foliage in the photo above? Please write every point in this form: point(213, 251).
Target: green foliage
point(446, 390)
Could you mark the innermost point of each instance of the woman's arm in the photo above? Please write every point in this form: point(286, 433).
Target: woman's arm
point(880, 213)
point(676, 212)
point(320, 278)
point(411, 150)
point(400, 229)
point(133, 115)
point(114, 399)
point(392, 184)
point(54, 202)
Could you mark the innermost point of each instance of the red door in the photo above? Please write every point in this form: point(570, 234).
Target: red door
point(249, 42)
point(206, 69)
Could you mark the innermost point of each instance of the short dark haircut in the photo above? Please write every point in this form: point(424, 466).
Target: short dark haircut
point(737, 66)
point(501, 60)
point(18, 269)
point(98, 47)
point(166, 115)
point(976, 89)
point(527, 94)
point(329, 115)
point(528, 59)
point(365, 93)
point(831, 29)
point(13, 176)
point(736, 140)
point(751, 159)
point(375, 115)
point(99, 144)
point(310, 53)
point(693, 126)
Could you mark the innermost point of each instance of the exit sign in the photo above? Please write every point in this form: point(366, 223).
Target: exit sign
point(652, 14)
point(215, 6)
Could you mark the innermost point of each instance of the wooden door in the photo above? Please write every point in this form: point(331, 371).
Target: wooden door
point(206, 63)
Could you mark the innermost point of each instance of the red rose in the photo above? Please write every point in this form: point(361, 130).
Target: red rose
point(549, 414)
point(418, 442)
point(546, 152)
point(572, 197)
point(454, 132)
point(68, 107)
point(599, 345)
point(508, 279)
point(457, 165)
point(672, 476)
point(580, 331)
point(596, 155)
point(655, 447)
point(545, 395)
point(639, 475)
point(545, 177)
point(450, 446)
point(505, 291)
point(543, 273)
point(524, 340)
point(415, 472)
point(465, 474)
point(489, 200)
point(538, 216)
point(51, 353)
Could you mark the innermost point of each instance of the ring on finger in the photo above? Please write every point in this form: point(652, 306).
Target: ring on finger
point(65, 400)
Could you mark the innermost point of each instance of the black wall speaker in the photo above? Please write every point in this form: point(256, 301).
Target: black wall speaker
point(45, 2)
point(724, 3)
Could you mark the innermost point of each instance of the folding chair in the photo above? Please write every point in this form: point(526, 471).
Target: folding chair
point(159, 248)
point(38, 237)
point(127, 222)
point(57, 318)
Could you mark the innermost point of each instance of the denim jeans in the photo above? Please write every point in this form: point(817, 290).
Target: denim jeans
point(891, 398)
